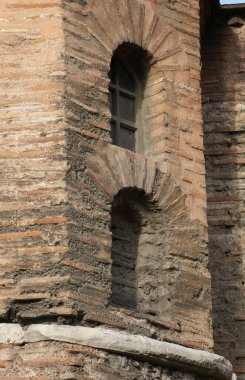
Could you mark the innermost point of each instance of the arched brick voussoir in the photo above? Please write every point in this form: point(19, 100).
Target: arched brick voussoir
point(113, 22)
point(112, 168)
point(170, 196)
point(108, 32)
point(119, 21)
point(98, 171)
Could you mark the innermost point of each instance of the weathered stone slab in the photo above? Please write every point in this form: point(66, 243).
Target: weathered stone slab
point(11, 333)
point(136, 346)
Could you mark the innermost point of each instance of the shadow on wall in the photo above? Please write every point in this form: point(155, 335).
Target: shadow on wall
point(223, 114)
point(137, 252)
point(126, 229)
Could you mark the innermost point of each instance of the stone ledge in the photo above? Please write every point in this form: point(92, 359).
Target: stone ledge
point(136, 346)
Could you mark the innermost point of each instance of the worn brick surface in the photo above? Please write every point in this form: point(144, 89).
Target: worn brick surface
point(177, 237)
point(172, 122)
point(33, 165)
point(58, 179)
point(53, 361)
point(223, 96)
point(172, 103)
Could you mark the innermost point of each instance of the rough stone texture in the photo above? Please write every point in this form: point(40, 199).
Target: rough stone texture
point(60, 176)
point(55, 215)
point(169, 32)
point(97, 172)
point(64, 361)
point(224, 116)
point(133, 346)
point(171, 263)
point(33, 163)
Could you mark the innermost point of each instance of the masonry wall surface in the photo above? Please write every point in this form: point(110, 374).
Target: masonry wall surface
point(98, 170)
point(223, 97)
point(74, 352)
point(60, 172)
point(55, 236)
point(54, 360)
point(33, 160)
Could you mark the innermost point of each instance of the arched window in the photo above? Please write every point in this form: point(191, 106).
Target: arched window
point(127, 75)
point(125, 227)
point(123, 98)
point(137, 280)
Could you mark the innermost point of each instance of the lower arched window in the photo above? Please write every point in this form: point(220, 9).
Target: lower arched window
point(135, 255)
point(126, 227)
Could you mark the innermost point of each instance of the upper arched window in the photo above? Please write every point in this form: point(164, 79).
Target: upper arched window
point(127, 77)
point(123, 103)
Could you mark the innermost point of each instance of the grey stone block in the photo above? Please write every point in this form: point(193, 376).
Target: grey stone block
point(142, 348)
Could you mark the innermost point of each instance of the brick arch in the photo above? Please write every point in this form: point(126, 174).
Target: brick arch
point(114, 22)
point(112, 169)
point(136, 22)
point(115, 168)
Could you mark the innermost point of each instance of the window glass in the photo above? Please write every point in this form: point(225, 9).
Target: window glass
point(126, 137)
point(126, 107)
point(125, 79)
point(113, 102)
point(122, 98)
point(113, 132)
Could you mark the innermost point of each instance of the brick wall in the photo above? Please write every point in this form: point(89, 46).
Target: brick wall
point(172, 116)
point(33, 160)
point(178, 253)
point(223, 96)
point(183, 136)
point(51, 351)
point(171, 34)
point(60, 173)
point(63, 361)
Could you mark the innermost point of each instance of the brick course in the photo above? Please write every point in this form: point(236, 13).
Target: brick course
point(54, 360)
point(223, 97)
point(33, 158)
point(60, 174)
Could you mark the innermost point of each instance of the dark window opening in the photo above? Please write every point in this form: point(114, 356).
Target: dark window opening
point(135, 283)
point(126, 228)
point(127, 75)
point(138, 254)
point(122, 106)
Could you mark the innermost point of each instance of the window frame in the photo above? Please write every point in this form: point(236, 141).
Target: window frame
point(136, 95)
